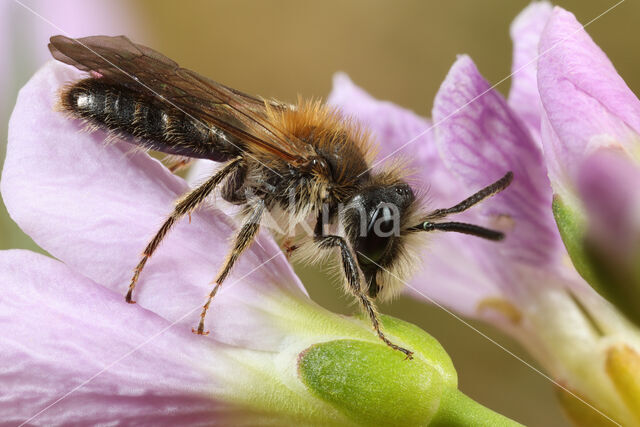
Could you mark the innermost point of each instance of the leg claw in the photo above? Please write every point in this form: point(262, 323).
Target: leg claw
point(199, 331)
point(289, 248)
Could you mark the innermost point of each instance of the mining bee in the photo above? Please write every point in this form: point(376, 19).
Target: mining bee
point(305, 161)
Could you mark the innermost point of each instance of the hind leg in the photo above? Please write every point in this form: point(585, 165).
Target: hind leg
point(184, 206)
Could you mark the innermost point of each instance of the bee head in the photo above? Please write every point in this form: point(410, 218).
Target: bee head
point(380, 224)
point(375, 224)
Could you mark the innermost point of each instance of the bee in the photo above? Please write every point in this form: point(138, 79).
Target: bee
point(306, 161)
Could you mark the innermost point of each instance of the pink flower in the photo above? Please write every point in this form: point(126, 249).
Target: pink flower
point(524, 285)
point(591, 137)
point(74, 352)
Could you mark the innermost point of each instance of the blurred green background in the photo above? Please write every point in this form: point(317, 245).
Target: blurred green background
point(399, 51)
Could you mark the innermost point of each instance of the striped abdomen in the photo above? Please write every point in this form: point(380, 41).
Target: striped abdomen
point(147, 121)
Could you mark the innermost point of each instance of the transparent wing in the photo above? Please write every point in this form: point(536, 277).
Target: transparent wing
point(144, 70)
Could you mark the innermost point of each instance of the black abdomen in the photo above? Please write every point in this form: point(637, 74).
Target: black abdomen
point(147, 121)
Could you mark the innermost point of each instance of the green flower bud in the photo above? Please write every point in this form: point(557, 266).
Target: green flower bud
point(372, 384)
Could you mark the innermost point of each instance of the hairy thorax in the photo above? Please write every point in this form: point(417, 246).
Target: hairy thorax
point(340, 159)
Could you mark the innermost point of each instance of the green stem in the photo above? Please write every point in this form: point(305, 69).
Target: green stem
point(457, 409)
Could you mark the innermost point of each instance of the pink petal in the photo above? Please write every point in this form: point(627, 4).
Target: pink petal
point(96, 17)
point(608, 187)
point(398, 133)
point(586, 101)
point(60, 331)
point(6, 50)
point(481, 141)
point(95, 206)
point(452, 275)
point(525, 32)
point(392, 126)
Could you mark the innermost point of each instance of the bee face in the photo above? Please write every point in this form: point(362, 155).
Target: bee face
point(374, 222)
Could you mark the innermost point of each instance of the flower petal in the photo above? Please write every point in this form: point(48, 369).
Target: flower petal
point(587, 103)
point(609, 191)
point(525, 33)
point(392, 126)
point(398, 132)
point(95, 206)
point(75, 346)
point(480, 141)
point(452, 276)
point(6, 50)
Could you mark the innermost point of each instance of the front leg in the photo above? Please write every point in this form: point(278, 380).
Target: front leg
point(352, 273)
point(289, 247)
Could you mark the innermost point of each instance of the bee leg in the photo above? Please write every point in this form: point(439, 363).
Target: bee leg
point(183, 206)
point(352, 272)
point(289, 247)
point(242, 240)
